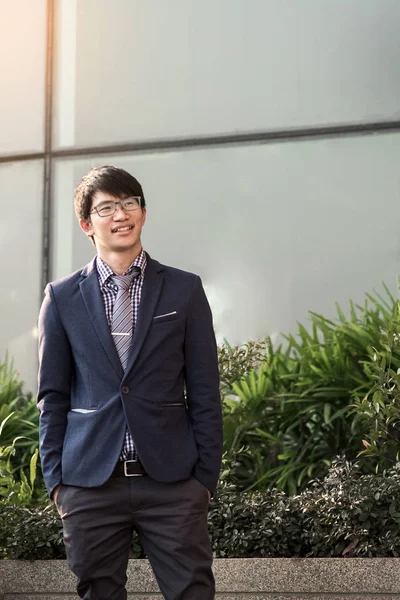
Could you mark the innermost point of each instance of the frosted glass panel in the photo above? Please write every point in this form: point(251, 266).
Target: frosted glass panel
point(21, 187)
point(130, 70)
point(274, 230)
point(22, 67)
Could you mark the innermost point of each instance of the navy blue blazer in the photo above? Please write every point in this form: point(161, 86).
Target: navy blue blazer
point(85, 398)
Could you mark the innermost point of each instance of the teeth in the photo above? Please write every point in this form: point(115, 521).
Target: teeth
point(124, 228)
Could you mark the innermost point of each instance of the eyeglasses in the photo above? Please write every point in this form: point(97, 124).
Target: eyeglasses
point(106, 209)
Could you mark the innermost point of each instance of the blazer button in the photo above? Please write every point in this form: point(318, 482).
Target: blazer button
point(125, 389)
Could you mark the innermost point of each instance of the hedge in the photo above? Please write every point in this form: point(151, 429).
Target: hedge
point(346, 514)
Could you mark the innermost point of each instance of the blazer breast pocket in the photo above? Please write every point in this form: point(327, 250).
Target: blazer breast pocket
point(166, 317)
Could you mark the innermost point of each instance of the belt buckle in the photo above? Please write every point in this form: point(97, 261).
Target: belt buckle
point(131, 474)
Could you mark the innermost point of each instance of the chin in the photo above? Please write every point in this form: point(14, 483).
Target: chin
point(124, 247)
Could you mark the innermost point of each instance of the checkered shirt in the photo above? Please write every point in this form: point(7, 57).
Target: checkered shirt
point(109, 292)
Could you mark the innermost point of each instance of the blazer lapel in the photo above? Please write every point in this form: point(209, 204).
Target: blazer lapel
point(93, 300)
point(152, 284)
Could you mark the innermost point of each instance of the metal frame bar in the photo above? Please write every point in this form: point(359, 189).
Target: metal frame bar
point(21, 157)
point(245, 138)
point(47, 171)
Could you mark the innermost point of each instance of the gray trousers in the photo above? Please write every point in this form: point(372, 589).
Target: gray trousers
point(171, 522)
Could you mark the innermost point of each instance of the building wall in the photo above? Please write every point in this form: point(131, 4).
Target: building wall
point(275, 227)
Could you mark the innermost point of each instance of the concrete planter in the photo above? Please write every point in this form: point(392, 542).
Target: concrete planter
point(237, 579)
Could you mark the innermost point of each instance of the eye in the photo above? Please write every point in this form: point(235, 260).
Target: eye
point(130, 203)
point(104, 209)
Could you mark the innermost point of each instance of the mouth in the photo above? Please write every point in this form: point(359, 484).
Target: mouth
point(123, 229)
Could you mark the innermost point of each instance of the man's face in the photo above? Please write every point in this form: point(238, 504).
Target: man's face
point(119, 232)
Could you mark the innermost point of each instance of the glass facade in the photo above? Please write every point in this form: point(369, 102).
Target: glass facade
point(291, 220)
point(134, 70)
point(22, 68)
point(21, 185)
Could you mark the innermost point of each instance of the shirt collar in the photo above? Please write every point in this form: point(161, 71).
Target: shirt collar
point(105, 271)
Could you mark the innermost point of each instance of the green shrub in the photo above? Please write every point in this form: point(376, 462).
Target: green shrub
point(234, 362)
point(379, 409)
point(253, 524)
point(19, 417)
point(351, 514)
point(30, 533)
point(294, 414)
point(346, 514)
point(21, 490)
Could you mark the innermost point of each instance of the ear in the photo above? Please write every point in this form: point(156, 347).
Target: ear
point(144, 213)
point(86, 227)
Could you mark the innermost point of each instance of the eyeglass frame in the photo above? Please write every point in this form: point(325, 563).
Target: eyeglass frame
point(137, 198)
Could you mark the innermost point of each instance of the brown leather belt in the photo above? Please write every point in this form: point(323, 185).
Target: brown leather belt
point(128, 468)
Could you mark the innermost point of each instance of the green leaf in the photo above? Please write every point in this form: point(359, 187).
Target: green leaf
point(377, 397)
point(327, 413)
point(33, 467)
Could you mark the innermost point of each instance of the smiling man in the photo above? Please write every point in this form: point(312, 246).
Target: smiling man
point(130, 423)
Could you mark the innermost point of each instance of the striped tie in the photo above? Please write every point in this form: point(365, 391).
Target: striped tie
point(122, 317)
point(122, 331)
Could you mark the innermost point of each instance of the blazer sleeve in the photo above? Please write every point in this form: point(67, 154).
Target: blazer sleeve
point(54, 386)
point(202, 386)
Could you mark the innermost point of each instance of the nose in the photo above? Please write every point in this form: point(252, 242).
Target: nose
point(119, 211)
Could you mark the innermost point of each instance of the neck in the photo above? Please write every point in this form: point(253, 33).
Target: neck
point(119, 262)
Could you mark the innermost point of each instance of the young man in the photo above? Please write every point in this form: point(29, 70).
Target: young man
point(130, 425)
